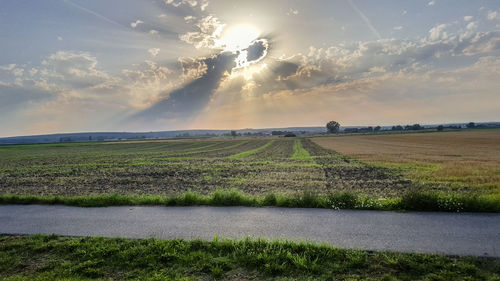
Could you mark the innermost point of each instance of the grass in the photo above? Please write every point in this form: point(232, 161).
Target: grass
point(50, 257)
point(250, 152)
point(413, 201)
point(299, 153)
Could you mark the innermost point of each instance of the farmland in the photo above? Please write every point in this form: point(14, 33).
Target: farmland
point(265, 171)
point(255, 166)
point(456, 162)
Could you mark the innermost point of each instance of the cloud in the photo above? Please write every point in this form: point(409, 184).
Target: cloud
point(209, 31)
point(18, 72)
point(437, 32)
point(402, 96)
point(153, 31)
point(189, 19)
point(340, 64)
point(468, 18)
point(493, 15)
point(145, 83)
point(472, 25)
point(202, 4)
point(292, 12)
point(136, 23)
point(154, 51)
point(187, 101)
point(431, 3)
point(8, 67)
point(75, 70)
point(399, 27)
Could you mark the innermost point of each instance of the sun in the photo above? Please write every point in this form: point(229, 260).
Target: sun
point(238, 37)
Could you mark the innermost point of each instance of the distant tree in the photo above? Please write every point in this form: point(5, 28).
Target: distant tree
point(333, 127)
point(413, 127)
point(289, 135)
point(471, 125)
point(440, 128)
point(277, 133)
point(377, 128)
point(233, 134)
point(397, 128)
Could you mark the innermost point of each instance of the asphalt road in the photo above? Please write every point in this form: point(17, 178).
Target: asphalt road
point(444, 233)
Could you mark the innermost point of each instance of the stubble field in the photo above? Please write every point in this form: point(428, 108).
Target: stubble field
point(457, 162)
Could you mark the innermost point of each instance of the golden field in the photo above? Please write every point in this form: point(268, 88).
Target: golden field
point(465, 161)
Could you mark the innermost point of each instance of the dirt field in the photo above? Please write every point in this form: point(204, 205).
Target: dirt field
point(255, 166)
point(462, 161)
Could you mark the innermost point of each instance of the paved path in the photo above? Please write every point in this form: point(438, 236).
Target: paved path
point(446, 233)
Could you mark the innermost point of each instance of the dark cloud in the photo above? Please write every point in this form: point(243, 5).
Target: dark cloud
point(256, 51)
point(185, 102)
point(194, 96)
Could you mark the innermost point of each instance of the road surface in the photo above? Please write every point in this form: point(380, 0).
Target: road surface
point(422, 232)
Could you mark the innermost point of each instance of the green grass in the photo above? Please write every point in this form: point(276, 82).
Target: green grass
point(299, 153)
point(250, 152)
point(412, 201)
point(50, 257)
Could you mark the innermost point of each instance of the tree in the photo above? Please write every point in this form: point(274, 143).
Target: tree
point(440, 128)
point(471, 125)
point(333, 127)
point(233, 134)
point(377, 128)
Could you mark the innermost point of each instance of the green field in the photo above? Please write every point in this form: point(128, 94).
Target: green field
point(42, 257)
point(286, 172)
point(254, 166)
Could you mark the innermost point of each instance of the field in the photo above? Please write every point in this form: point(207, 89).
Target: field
point(42, 257)
point(457, 162)
point(255, 166)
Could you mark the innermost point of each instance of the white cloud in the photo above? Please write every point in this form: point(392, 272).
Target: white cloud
point(18, 72)
point(152, 31)
point(136, 23)
point(397, 27)
point(493, 15)
point(210, 29)
point(8, 67)
point(154, 51)
point(468, 18)
point(292, 12)
point(404, 12)
point(437, 32)
point(59, 38)
point(162, 16)
point(431, 3)
point(203, 4)
point(189, 19)
point(75, 70)
point(472, 25)
point(33, 71)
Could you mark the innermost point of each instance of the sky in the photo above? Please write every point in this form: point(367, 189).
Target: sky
point(154, 65)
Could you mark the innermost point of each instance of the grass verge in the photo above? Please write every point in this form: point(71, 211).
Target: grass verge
point(413, 201)
point(50, 257)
